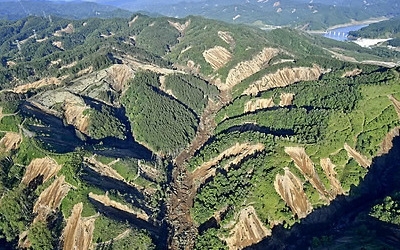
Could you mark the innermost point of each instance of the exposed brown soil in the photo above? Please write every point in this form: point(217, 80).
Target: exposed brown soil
point(121, 236)
point(58, 44)
point(10, 141)
point(247, 68)
point(396, 104)
point(50, 199)
point(239, 151)
point(69, 29)
point(217, 57)
point(180, 27)
point(74, 113)
point(45, 109)
point(329, 170)
point(78, 232)
point(106, 170)
point(186, 49)
point(11, 63)
point(133, 21)
point(47, 167)
point(149, 171)
point(85, 71)
point(226, 37)
point(163, 87)
point(69, 65)
point(119, 75)
point(193, 66)
point(111, 34)
point(180, 201)
point(42, 40)
point(184, 186)
point(257, 104)
point(247, 231)
point(34, 85)
point(183, 231)
point(135, 65)
point(286, 99)
point(284, 77)
point(387, 142)
point(205, 130)
point(306, 166)
point(342, 57)
point(105, 200)
point(290, 188)
point(354, 72)
point(359, 158)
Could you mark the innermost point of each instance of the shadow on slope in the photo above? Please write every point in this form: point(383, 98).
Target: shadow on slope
point(57, 137)
point(381, 180)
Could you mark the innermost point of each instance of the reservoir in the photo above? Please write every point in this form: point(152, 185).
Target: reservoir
point(340, 34)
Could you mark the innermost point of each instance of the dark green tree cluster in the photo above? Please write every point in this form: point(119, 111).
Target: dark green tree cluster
point(192, 91)
point(389, 210)
point(395, 42)
point(40, 237)
point(158, 120)
point(226, 189)
point(209, 240)
point(16, 212)
point(104, 123)
point(158, 42)
point(385, 29)
point(308, 126)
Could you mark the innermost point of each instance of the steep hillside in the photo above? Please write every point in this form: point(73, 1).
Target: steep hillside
point(146, 133)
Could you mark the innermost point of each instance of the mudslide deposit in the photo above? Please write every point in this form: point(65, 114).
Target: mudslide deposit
point(69, 29)
point(78, 232)
point(239, 151)
point(180, 27)
point(247, 231)
point(217, 57)
point(306, 166)
point(119, 75)
point(387, 142)
point(354, 72)
point(247, 68)
point(10, 141)
point(74, 113)
point(226, 37)
point(286, 99)
point(329, 170)
point(108, 171)
point(396, 104)
point(106, 201)
point(50, 199)
point(34, 85)
point(133, 21)
point(290, 188)
point(257, 104)
point(284, 77)
point(359, 158)
point(46, 167)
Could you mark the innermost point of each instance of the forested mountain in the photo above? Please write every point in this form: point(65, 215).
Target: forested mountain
point(309, 15)
point(144, 133)
point(386, 29)
point(13, 10)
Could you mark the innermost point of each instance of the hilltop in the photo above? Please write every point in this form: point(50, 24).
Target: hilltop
point(147, 132)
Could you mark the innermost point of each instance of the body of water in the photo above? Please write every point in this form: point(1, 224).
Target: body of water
point(340, 34)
